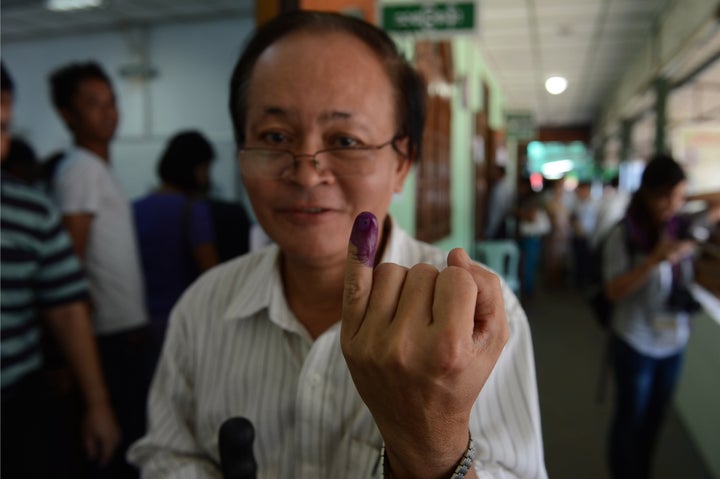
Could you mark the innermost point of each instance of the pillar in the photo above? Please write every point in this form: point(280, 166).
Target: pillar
point(661, 94)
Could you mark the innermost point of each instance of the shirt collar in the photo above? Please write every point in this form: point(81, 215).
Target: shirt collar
point(262, 277)
point(265, 291)
point(73, 154)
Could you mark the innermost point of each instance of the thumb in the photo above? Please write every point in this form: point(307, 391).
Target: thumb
point(358, 271)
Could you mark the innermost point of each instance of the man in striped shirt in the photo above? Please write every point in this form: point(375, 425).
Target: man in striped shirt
point(42, 278)
point(339, 350)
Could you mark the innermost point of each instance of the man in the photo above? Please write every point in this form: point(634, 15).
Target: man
point(41, 278)
point(499, 204)
point(611, 209)
point(583, 219)
point(345, 369)
point(98, 218)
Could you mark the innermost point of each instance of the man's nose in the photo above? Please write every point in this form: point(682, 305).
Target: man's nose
point(307, 171)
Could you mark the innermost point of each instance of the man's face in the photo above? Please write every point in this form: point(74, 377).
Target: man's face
point(5, 116)
point(310, 92)
point(93, 115)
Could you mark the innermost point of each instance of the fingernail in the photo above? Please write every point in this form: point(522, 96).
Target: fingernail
point(364, 237)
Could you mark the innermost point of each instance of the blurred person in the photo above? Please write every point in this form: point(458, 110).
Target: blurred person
point(42, 285)
point(499, 204)
point(611, 209)
point(650, 322)
point(332, 359)
point(176, 236)
point(98, 217)
point(235, 233)
point(22, 162)
point(558, 204)
point(63, 406)
point(583, 219)
point(533, 226)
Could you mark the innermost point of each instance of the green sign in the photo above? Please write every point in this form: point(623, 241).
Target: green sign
point(438, 17)
point(520, 125)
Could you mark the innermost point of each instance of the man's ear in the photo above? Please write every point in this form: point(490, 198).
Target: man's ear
point(405, 162)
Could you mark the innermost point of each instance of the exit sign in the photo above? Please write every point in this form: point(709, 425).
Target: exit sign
point(444, 18)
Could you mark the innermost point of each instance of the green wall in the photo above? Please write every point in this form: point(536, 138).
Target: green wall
point(470, 72)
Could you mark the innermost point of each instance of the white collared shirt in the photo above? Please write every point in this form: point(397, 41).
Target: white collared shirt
point(234, 348)
point(84, 184)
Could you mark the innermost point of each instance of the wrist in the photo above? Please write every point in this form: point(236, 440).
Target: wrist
point(458, 470)
point(651, 262)
point(96, 399)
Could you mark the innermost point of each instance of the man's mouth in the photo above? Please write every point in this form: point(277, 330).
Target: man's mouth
point(313, 210)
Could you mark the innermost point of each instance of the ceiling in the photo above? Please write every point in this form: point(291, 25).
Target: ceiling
point(590, 42)
point(29, 19)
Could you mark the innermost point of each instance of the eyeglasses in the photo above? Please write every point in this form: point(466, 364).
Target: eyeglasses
point(278, 163)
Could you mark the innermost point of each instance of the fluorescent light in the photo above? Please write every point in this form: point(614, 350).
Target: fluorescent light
point(64, 5)
point(554, 170)
point(556, 85)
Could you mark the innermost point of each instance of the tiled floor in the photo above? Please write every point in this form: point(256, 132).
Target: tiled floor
point(568, 347)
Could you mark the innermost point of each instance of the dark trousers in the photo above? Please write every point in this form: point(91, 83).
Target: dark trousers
point(582, 261)
point(127, 365)
point(25, 445)
point(644, 387)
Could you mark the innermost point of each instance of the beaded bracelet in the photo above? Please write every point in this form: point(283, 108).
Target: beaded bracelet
point(460, 471)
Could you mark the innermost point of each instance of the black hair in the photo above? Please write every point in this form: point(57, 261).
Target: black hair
point(662, 173)
point(6, 82)
point(65, 81)
point(22, 162)
point(183, 153)
point(409, 86)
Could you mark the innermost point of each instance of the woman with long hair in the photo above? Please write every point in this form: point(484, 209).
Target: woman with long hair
point(647, 267)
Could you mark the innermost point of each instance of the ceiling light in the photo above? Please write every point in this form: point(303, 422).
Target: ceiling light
point(554, 170)
point(556, 85)
point(64, 5)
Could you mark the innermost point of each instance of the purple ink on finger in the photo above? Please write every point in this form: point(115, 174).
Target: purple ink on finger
point(364, 236)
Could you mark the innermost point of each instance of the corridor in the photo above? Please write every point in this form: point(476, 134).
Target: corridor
point(568, 347)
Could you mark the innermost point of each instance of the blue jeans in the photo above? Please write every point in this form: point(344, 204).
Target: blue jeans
point(644, 387)
point(530, 247)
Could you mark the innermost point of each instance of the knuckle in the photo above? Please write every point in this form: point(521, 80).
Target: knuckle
point(458, 277)
point(450, 359)
point(353, 292)
point(495, 282)
point(423, 269)
point(388, 269)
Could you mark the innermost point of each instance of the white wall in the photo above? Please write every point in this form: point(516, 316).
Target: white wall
point(194, 63)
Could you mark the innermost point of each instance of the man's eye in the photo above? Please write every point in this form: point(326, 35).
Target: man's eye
point(346, 142)
point(275, 138)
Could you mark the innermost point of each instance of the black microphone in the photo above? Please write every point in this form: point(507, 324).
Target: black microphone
point(235, 441)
